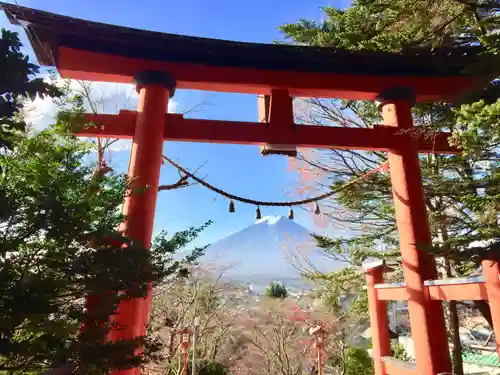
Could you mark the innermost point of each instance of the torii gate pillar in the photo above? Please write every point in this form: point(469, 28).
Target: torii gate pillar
point(426, 315)
point(155, 89)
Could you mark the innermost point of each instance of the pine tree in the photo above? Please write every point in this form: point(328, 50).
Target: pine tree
point(462, 191)
point(379, 26)
point(276, 290)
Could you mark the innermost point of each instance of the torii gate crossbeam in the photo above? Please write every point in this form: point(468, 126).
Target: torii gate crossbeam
point(179, 129)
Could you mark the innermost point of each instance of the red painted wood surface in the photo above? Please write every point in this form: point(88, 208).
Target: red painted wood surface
point(139, 209)
point(491, 270)
point(460, 292)
point(398, 368)
point(392, 294)
point(381, 346)
point(177, 128)
point(426, 316)
point(95, 66)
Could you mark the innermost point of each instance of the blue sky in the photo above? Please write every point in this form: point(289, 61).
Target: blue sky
point(237, 169)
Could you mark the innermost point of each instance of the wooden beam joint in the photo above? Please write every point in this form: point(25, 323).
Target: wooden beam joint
point(276, 111)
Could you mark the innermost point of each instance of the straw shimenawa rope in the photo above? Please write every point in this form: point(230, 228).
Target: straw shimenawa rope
point(382, 167)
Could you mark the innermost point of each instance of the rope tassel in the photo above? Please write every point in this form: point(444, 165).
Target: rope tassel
point(317, 211)
point(290, 214)
point(231, 207)
point(258, 214)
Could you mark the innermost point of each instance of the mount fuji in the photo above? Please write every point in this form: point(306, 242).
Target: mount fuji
point(271, 249)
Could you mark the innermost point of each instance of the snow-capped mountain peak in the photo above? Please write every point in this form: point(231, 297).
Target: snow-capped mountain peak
point(269, 220)
point(272, 248)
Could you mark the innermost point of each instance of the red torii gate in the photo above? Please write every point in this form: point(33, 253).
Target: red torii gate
point(159, 63)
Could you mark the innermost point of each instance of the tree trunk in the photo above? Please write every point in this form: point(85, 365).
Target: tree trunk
point(456, 353)
point(454, 325)
point(484, 309)
point(453, 321)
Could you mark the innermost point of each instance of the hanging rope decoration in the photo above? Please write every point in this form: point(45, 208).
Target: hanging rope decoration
point(317, 211)
point(232, 198)
point(257, 213)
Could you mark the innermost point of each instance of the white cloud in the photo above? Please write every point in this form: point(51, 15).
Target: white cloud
point(105, 97)
point(40, 112)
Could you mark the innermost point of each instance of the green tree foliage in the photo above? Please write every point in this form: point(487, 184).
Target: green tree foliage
point(358, 362)
point(379, 25)
point(399, 352)
point(276, 290)
point(343, 292)
point(17, 84)
point(211, 368)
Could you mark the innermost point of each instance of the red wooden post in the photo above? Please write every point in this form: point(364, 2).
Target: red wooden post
point(154, 88)
point(426, 316)
point(320, 361)
point(319, 335)
point(185, 343)
point(381, 346)
point(491, 270)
